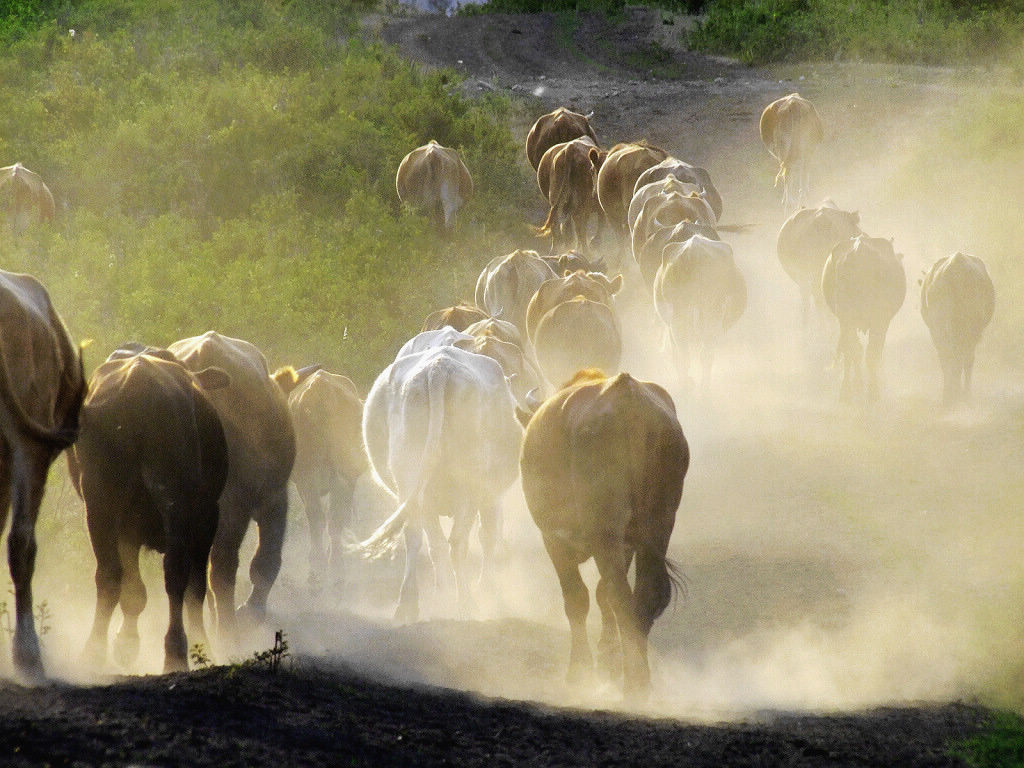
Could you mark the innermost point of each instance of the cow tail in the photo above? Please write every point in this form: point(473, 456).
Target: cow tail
point(557, 200)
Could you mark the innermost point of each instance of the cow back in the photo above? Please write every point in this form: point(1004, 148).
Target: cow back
point(556, 127)
point(957, 300)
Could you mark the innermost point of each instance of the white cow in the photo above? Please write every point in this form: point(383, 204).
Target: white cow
point(424, 340)
point(441, 435)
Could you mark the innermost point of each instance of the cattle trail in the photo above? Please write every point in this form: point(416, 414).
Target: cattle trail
point(836, 556)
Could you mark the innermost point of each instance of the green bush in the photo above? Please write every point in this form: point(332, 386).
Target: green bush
point(230, 166)
point(920, 31)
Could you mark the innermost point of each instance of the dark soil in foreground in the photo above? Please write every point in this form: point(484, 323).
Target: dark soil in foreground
point(312, 715)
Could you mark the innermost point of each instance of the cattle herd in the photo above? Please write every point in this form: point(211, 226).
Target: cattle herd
point(179, 449)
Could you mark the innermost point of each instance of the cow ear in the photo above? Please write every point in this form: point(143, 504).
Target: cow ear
point(212, 378)
point(615, 284)
point(466, 344)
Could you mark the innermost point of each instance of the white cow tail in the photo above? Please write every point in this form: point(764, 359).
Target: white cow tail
point(384, 540)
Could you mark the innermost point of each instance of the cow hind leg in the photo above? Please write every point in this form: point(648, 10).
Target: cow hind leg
point(29, 466)
point(195, 592)
point(176, 567)
point(133, 602)
point(636, 676)
point(266, 563)
point(577, 605)
point(873, 362)
point(408, 609)
point(108, 574)
point(462, 526)
point(313, 504)
point(609, 647)
point(224, 567)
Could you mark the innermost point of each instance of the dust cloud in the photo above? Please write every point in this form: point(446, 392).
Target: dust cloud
point(836, 556)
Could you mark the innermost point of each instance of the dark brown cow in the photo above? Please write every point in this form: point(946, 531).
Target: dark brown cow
point(507, 284)
point(592, 285)
point(603, 463)
point(327, 414)
point(957, 303)
point(434, 179)
point(42, 386)
point(578, 333)
point(690, 174)
point(459, 317)
point(29, 199)
point(806, 240)
point(791, 129)
point(150, 464)
point(864, 285)
point(617, 180)
point(567, 176)
point(555, 128)
point(261, 451)
point(699, 293)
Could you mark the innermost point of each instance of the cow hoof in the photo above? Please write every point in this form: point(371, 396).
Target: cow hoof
point(175, 664)
point(126, 649)
point(94, 655)
point(29, 667)
point(250, 616)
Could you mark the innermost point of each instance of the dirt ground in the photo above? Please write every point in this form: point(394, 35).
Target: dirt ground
point(852, 575)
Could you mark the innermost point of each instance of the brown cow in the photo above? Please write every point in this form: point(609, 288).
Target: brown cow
point(42, 386)
point(864, 285)
point(507, 284)
point(567, 175)
point(434, 179)
point(142, 489)
point(570, 261)
point(603, 463)
point(617, 180)
point(29, 197)
point(555, 128)
point(957, 302)
point(806, 240)
point(592, 285)
point(327, 415)
point(689, 174)
point(458, 317)
point(578, 333)
point(699, 293)
point(261, 450)
point(791, 129)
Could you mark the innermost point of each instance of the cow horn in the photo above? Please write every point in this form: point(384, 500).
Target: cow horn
point(532, 401)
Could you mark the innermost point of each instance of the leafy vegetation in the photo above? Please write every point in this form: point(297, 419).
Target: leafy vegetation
point(230, 165)
point(920, 31)
point(1001, 745)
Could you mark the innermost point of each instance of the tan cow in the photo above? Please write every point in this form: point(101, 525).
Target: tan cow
point(502, 330)
point(555, 128)
point(668, 210)
point(648, 255)
point(458, 317)
point(592, 285)
point(42, 386)
point(523, 377)
point(864, 285)
point(806, 240)
point(699, 293)
point(434, 179)
point(617, 180)
point(603, 463)
point(567, 176)
point(689, 174)
point(29, 199)
point(261, 451)
point(507, 284)
point(574, 334)
point(791, 129)
point(957, 303)
point(327, 413)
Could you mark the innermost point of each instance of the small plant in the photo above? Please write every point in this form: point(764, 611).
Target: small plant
point(199, 657)
point(273, 657)
point(43, 617)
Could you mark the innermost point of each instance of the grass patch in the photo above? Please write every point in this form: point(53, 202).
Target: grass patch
point(918, 31)
point(1000, 745)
